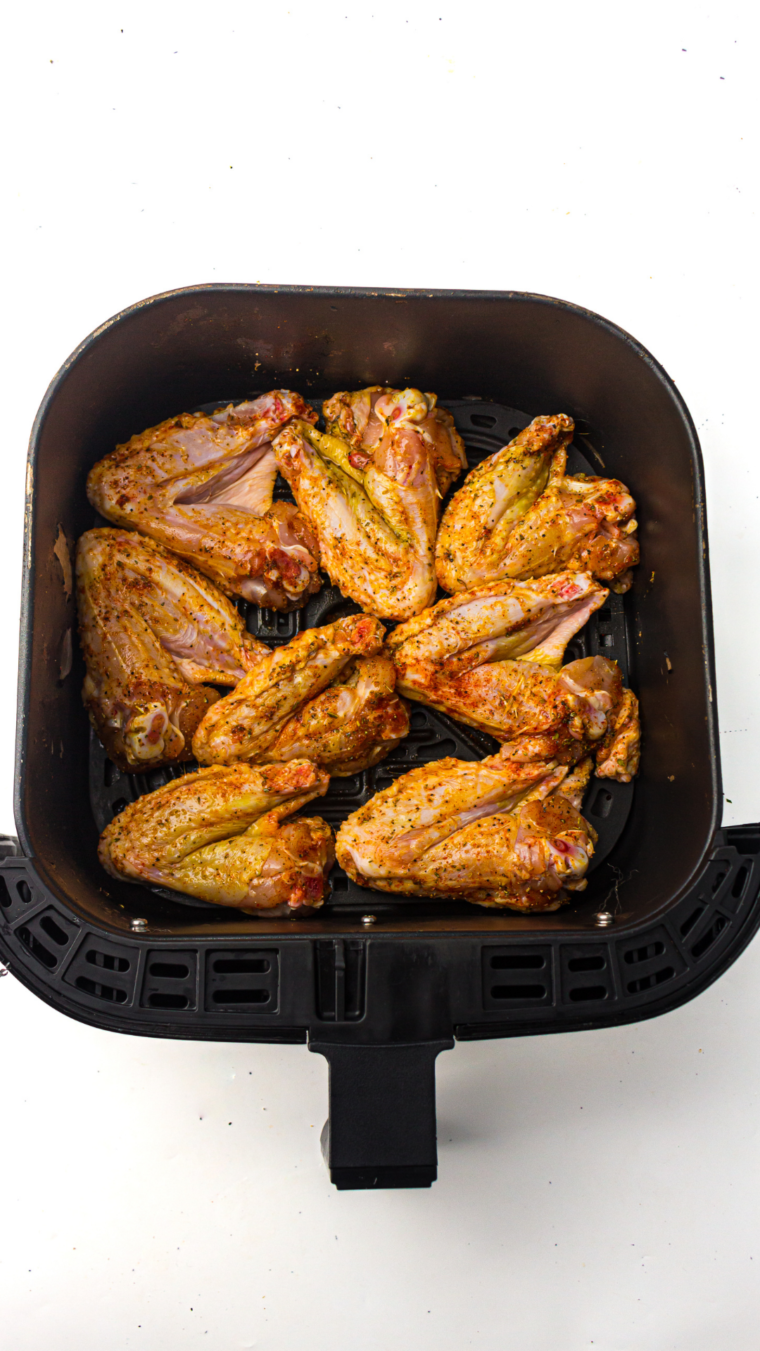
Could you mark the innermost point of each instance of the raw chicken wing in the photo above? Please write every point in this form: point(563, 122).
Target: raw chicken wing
point(153, 630)
point(580, 523)
point(220, 835)
point(203, 487)
point(374, 506)
point(497, 832)
point(510, 520)
point(364, 419)
point(326, 696)
point(483, 513)
point(490, 657)
point(355, 723)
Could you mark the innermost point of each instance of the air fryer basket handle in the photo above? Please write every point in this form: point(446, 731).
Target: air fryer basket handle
point(381, 1130)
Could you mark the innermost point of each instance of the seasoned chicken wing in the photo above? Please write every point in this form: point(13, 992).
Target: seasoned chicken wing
point(495, 832)
point(366, 417)
point(490, 658)
point(374, 506)
point(516, 517)
point(581, 523)
point(326, 696)
point(220, 835)
point(356, 722)
point(483, 513)
point(203, 487)
point(152, 630)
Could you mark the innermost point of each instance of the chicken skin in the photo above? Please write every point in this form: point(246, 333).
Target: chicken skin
point(355, 723)
point(220, 835)
point(152, 630)
point(483, 513)
point(326, 696)
point(373, 501)
point(491, 657)
point(202, 486)
point(502, 524)
point(495, 832)
point(579, 523)
point(363, 419)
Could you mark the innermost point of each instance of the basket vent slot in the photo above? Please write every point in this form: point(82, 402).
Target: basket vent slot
point(741, 885)
point(241, 996)
point(52, 928)
point(48, 937)
point(588, 992)
point(99, 990)
point(740, 881)
point(32, 944)
point(519, 961)
point(272, 626)
point(655, 962)
point(645, 954)
point(170, 979)
point(647, 982)
point(109, 961)
point(242, 978)
point(483, 420)
point(595, 963)
point(16, 896)
point(510, 992)
point(704, 943)
point(238, 966)
point(514, 978)
point(104, 970)
point(586, 973)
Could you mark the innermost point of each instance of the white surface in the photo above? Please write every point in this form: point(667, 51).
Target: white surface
point(596, 1190)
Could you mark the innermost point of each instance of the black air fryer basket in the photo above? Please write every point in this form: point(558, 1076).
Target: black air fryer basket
point(380, 985)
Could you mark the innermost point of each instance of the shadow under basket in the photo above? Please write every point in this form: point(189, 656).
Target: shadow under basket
point(381, 985)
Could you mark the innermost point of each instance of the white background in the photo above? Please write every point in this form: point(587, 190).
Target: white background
point(597, 1190)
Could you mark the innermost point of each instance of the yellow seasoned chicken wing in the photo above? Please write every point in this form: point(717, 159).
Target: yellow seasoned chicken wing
point(491, 658)
point(355, 723)
point(154, 633)
point(326, 696)
point(497, 833)
point(373, 501)
point(519, 515)
point(482, 514)
point(364, 417)
point(220, 835)
point(202, 485)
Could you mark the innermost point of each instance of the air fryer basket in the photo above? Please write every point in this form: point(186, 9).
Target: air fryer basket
point(380, 986)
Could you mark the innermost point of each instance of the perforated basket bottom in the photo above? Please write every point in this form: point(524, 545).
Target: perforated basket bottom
point(484, 427)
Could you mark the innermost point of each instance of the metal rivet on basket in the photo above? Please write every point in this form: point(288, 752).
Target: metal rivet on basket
point(604, 919)
point(369, 919)
point(139, 925)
